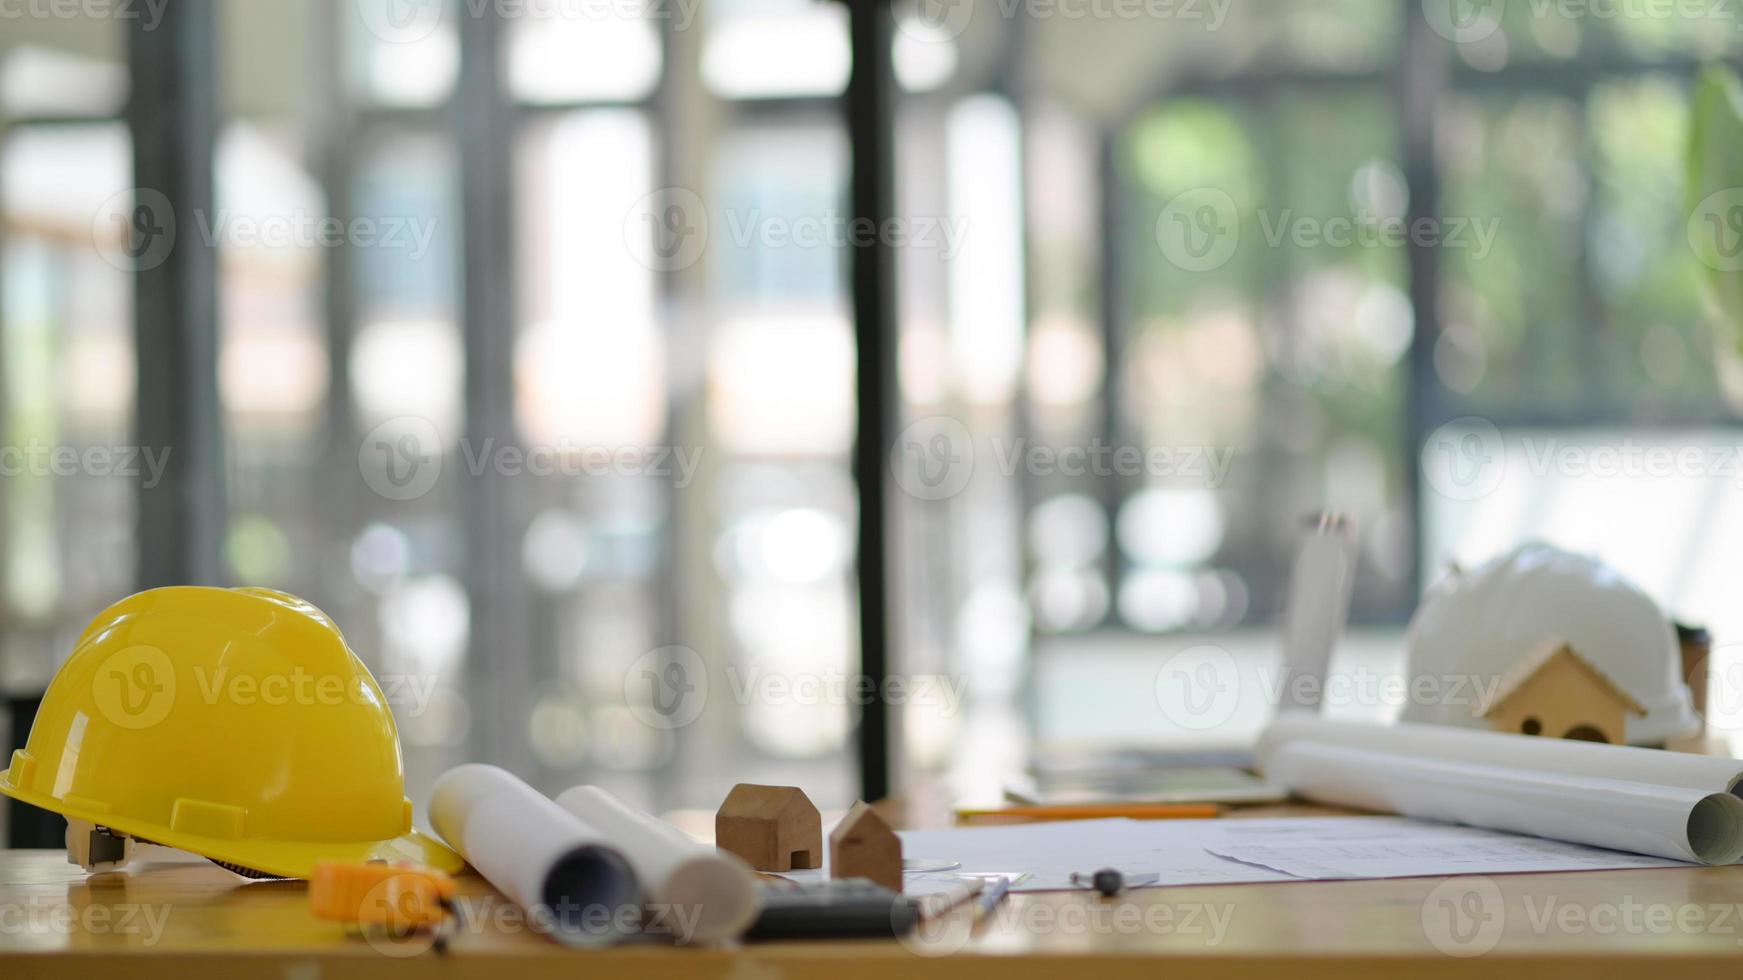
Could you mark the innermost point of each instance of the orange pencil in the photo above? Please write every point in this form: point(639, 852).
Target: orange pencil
point(1092, 811)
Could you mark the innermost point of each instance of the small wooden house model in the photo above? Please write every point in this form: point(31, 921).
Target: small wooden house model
point(1556, 692)
point(862, 845)
point(773, 828)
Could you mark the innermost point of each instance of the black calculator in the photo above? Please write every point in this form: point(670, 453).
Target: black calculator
point(845, 909)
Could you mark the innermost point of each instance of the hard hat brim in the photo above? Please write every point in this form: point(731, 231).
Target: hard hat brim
point(285, 859)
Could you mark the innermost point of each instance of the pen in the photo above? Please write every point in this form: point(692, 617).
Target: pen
point(990, 898)
point(1111, 881)
point(1094, 811)
point(937, 903)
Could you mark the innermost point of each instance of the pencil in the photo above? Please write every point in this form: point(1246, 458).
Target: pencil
point(1094, 811)
point(990, 898)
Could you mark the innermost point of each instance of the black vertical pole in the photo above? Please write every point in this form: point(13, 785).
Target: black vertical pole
point(173, 117)
point(1422, 70)
point(870, 126)
point(1110, 489)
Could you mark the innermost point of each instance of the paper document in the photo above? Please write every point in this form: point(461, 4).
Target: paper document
point(1050, 852)
point(1397, 847)
point(1219, 852)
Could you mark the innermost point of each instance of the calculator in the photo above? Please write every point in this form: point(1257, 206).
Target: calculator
point(854, 907)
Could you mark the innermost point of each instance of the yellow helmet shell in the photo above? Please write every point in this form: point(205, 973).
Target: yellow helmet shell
point(232, 723)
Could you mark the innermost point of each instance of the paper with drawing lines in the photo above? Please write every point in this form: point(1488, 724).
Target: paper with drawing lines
point(1225, 851)
point(1050, 852)
point(1398, 847)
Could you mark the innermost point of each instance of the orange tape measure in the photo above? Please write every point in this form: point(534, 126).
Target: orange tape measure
point(400, 898)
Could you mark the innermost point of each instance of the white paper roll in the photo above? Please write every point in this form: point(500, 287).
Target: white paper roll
point(1664, 821)
point(1317, 609)
point(1559, 755)
point(566, 874)
point(1666, 804)
point(699, 893)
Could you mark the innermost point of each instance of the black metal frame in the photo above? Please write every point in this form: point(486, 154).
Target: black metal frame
point(172, 113)
point(870, 109)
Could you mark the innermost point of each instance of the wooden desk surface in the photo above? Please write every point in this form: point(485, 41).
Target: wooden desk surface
point(197, 921)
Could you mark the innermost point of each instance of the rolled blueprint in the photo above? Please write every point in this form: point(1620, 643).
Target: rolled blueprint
point(694, 891)
point(572, 882)
point(1557, 755)
point(1317, 608)
point(1647, 801)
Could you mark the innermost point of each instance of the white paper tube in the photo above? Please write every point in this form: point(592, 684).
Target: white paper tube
point(1317, 608)
point(1664, 821)
point(1655, 767)
point(698, 892)
point(571, 881)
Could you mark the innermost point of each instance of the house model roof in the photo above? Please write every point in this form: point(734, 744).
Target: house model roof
point(1516, 677)
point(764, 802)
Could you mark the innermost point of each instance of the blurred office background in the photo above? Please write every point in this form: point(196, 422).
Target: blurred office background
point(1058, 143)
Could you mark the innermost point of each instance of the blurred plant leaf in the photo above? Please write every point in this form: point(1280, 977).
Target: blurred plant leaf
point(1715, 192)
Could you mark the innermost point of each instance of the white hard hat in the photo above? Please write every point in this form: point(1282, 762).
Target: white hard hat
point(1481, 623)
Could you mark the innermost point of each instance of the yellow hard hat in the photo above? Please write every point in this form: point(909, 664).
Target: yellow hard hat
point(231, 723)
